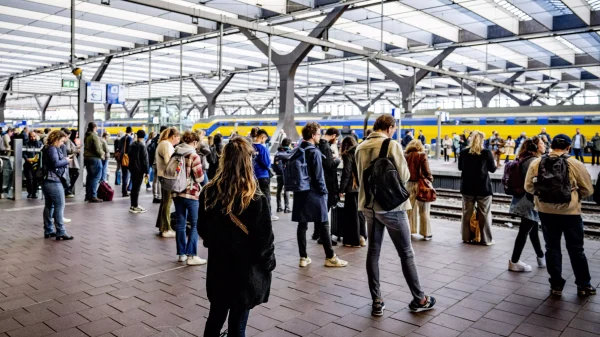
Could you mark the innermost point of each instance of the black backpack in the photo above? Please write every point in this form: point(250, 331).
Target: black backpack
point(553, 184)
point(278, 165)
point(295, 172)
point(152, 151)
point(382, 182)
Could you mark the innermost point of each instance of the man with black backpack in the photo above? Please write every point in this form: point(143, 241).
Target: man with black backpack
point(330, 165)
point(559, 183)
point(281, 157)
point(303, 175)
point(386, 208)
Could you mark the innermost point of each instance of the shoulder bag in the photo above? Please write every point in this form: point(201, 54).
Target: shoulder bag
point(124, 155)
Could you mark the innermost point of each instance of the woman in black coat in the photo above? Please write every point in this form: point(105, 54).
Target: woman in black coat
point(31, 158)
point(476, 163)
point(234, 222)
point(354, 229)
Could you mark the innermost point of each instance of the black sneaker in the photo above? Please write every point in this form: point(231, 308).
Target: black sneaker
point(156, 201)
point(315, 236)
point(416, 306)
point(377, 308)
point(279, 209)
point(556, 291)
point(287, 210)
point(586, 290)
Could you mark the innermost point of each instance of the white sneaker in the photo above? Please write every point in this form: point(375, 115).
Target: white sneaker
point(335, 262)
point(141, 209)
point(133, 210)
point(491, 243)
point(519, 266)
point(65, 220)
point(168, 234)
point(362, 241)
point(274, 218)
point(182, 258)
point(305, 261)
point(195, 261)
point(541, 261)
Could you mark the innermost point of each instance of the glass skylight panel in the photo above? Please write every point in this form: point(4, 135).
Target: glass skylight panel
point(278, 6)
point(556, 47)
point(489, 11)
point(367, 32)
point(416, 18)
point(201, 7)
point(514, 10)
point(595, 4)
point(569, 45)
point(504, 53)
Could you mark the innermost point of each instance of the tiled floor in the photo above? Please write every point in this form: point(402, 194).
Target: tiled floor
point(117, 278)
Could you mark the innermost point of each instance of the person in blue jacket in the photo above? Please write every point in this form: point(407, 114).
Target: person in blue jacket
point(262, 164)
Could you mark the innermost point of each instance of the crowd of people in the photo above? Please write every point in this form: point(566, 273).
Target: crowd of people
point(221, 195)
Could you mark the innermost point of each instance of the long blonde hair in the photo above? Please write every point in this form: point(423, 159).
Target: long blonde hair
point(415, 145)
point(477, 138)
point(168, 133)
point(234, 185)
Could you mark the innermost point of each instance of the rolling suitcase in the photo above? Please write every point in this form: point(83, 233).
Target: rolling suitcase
point(337, 217)
point(105, 192)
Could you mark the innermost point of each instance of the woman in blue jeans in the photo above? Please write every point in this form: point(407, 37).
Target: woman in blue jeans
point(186, 202)
point(235, 225)
point(55, 167)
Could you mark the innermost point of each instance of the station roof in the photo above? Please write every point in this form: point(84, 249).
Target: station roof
point(552, 41)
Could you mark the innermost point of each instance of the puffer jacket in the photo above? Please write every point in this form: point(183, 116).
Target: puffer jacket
point(54, 163)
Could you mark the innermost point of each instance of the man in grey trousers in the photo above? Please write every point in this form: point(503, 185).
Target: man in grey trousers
point(396, 220)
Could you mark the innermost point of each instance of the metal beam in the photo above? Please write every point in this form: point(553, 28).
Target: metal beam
point(313, 102)
point(260, 110)
point(7, 86)
point(571, 96)
point(107, 108)
point(486, 96)
point(43, 106)
point(211, 98)
point(131, 112)
point(364, 108)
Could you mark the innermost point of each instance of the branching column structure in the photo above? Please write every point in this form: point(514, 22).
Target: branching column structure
point(7, 87)
point(407, 84)
point(211, 98)
point(364, 108)
point(287, 66)
point(260, 110)
point(485, 97)
point(313, 102)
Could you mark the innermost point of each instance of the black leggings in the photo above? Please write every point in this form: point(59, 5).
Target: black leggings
point(136, 184)
point(265, 186)
point(446, 155)
point(527, 228)
point(325, 235)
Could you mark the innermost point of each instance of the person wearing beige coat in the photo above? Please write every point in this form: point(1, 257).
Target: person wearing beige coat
point(560, 219)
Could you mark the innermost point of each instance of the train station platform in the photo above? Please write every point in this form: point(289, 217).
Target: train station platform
point(118, 278)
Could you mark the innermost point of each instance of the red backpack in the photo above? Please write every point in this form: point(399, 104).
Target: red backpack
point(512, 180)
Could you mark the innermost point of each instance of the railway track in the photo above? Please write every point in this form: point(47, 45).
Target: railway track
point(586, 206)
point(591, 228)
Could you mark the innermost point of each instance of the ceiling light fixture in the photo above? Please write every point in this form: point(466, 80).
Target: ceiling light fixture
point(569, 45)
point(522, 16)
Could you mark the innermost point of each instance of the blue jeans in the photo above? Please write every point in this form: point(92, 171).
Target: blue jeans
point(399, 230)
point(93, 168)
point(104, 170)
point(54, 200)
point(553, 228)
point(186, 209)
point(236, 327)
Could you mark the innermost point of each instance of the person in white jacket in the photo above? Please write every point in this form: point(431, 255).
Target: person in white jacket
point(166, 146)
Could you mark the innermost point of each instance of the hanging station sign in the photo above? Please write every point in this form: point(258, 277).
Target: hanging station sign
point(96, 93)
point(115, 94)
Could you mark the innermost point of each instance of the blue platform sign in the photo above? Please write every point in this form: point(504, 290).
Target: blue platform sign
point(115, 94)
point(393, 112)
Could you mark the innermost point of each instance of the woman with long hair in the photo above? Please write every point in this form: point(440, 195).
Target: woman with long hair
point(523, 207)
point(55, 167)
point(354, 230)
point(166, 146)
point(476, 162)
point(235, 225)
point(104, 140)
point(418, 165)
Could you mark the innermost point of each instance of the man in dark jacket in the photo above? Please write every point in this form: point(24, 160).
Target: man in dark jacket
point(579, 144)
point(330, 165)
point(278, 163)
point(421, 137)
point(125, 144)
point(407, 138)
point(311, 205)
point(92, 156)
point(596, 149)
point(138, 167)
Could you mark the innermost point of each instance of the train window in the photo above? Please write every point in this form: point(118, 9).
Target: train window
point(469, 121)
point(526, 120)
point(229, 123)
point(495, 121)
point(451, 121)
point(591, 120)
point(560, 120)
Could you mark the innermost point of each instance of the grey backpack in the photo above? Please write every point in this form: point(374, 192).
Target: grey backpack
point(175, 177)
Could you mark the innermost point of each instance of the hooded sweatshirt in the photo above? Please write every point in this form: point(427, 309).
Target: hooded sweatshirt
point(93, 146)
point(193, 166)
